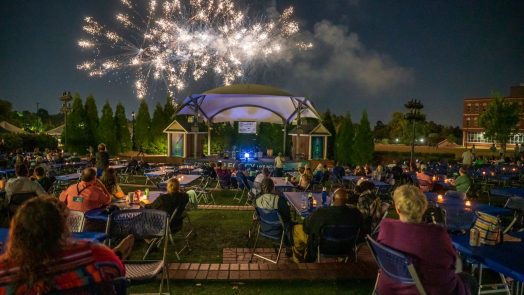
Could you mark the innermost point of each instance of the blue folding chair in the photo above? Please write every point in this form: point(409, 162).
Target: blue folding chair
point(270, 226)
point(338, 241)
point(456, 195)
point(394, 264)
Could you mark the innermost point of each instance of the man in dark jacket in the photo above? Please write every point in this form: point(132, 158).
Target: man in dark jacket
point(306, 235)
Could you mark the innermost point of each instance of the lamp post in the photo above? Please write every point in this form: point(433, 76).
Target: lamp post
point(66, 108)
point(133, 131)
point(413, 115)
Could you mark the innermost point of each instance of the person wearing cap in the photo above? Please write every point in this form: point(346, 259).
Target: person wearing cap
point(306, 235)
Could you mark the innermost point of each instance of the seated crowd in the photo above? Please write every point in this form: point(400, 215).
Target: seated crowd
point(39, 246)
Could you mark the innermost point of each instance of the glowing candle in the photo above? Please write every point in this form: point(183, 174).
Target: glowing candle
point(434, 178)
point(440, 198)
point(314, 202)
point(468, 203)
point(484, 173)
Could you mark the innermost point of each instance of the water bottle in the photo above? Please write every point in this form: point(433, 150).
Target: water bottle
point(324, 196)
point(304, 202)
point(146, 192)
point(310, 202)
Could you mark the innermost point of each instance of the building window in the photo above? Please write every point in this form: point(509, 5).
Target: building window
point(468, 108)
point(478, 137)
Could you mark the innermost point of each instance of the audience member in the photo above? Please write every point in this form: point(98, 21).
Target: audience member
point(42, 179)
point(173, 200)
point(306, 178)
point(262, 175)
point(102, 159)
point(40, 258)
point(430, 244)
point(463, 182)
point(269, 200)
point(22, 184)
point(339, 171)
point(110, 181)
point(279, 165)
point(369, 204)
point(306, 235)
point(86, 195)
point(424, 180)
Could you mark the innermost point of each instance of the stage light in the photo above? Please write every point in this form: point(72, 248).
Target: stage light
point(246, 155)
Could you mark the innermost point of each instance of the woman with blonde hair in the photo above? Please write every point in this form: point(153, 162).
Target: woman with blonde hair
point(435, 258)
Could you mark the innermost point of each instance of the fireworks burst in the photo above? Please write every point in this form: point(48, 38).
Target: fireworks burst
point(181, 40)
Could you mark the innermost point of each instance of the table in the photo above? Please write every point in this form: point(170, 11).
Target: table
point(355, 179)
point(500, 258)
point(295, 199)
point(68, 177)
point(155, 175)
point(282, 184)
point(461, 217)
point(7, 172)
point(117, 167)
point(507, 192)
point(183, 179)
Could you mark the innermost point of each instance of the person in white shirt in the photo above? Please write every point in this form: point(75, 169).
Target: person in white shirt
point(22, 184)
point(467, 158)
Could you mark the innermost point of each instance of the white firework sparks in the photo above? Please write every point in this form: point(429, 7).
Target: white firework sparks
point(183, 40)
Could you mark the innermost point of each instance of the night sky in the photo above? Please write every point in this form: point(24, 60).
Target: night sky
point(372, 55)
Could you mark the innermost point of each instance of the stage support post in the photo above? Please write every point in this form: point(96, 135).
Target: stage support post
point(284, 141)
point(209, 139)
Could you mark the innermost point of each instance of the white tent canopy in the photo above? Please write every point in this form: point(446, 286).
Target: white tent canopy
point(248, 102)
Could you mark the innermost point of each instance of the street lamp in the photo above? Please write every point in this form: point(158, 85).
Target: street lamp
point(66, 108)
point(133, 131)
point(413, 115)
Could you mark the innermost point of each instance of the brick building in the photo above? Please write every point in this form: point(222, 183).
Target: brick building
point(473, 108)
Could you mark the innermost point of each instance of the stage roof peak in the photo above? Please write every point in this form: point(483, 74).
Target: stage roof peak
point(256, 89)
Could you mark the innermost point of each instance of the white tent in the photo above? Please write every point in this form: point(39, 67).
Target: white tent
point(247, 102)
point(10, 127)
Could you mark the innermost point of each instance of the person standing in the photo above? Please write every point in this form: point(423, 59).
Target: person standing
point(279, 165)
point(467, 158)
point(102, 159)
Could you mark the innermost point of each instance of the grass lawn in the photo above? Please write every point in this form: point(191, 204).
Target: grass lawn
point(264, 287)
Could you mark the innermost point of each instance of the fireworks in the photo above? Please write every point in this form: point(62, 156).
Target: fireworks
point(181, 40)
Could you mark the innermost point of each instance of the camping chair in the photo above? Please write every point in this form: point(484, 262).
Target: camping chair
point(270, 226)
point(394, 264)
point(243, 186)
point(18, 200)
point(76, 221)
point(143, 224)
point(203, 192)
point(338, 241)
point(252, 193)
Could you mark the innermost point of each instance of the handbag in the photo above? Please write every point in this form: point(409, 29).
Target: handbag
point(489, 227)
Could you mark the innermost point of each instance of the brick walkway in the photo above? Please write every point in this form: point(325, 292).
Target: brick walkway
point(238, 269)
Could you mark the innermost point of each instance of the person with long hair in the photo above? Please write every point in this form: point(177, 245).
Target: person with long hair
point(110, 181)
point(40, 257)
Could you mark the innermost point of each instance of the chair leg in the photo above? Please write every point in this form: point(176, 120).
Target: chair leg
point(254, 245)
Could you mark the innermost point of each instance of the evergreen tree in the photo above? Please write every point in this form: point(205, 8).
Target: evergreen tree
point(122, 134)
point(158, 124)
point(363, 146)
point(76, 128)
point(106, 129)
point(142, 126)
point(327, 120)
point(169, 111)
point(91, 121)
point(344, 141)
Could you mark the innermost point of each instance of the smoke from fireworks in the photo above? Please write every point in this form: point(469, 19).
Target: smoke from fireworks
point(181, 40)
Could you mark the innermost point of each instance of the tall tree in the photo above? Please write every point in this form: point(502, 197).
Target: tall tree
point(363, 146)
point(499, 120)
point(91, 121)
point(76, 127)
point(122, 134)
point(344, 141)
point(107, 129)
point(158, 124)
point(169, 111)
point(142, 126)
point(327, 120)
